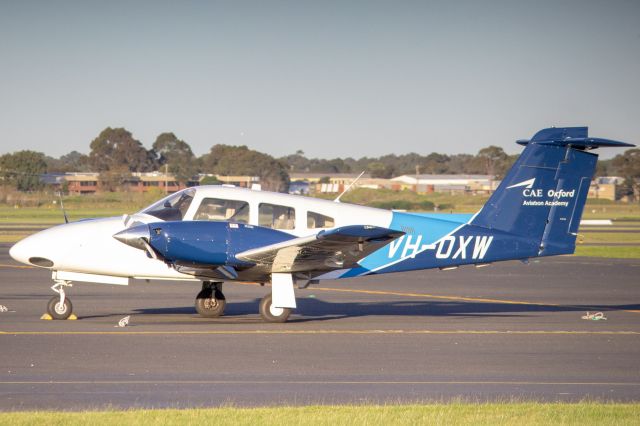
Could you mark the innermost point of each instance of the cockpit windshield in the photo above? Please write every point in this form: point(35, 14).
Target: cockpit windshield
point(173, 207)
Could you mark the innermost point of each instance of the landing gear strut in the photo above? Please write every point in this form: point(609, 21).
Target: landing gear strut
point(210, 302)
point(60, 307)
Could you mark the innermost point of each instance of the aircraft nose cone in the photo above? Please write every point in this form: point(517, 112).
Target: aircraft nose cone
point(33, 251)
point(18, 252)
point(135, 236)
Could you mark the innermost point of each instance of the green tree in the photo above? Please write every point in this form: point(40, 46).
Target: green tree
point(296, 162)
point(177, 155)
point(494, 160)
point(75, 162)
point(117, 150)
point(603, 167)
point(464, 164)
point(230, 160)
point(436, 163)
point(22, 169)
point(378, 169)
point(627, 165)
point(71, 162)
point(115, 154)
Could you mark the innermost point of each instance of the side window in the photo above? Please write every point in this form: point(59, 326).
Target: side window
point(219, 209)
point(277, 217)
point(317, 220)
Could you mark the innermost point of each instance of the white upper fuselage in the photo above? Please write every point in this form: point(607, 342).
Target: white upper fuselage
point(88, 246)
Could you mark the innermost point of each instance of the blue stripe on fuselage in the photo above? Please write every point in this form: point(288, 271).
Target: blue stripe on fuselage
point(422, 231)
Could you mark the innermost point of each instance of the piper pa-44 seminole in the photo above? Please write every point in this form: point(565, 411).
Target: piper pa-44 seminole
point(215, 234)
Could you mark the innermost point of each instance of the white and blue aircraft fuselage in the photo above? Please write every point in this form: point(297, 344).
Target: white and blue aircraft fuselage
point(215, 233)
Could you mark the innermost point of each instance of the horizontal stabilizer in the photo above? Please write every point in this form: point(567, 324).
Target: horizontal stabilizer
point(576, 137)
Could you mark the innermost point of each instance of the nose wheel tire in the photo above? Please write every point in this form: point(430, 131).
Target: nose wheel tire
point(59, 311)
point(269, 313)
point(210, 303)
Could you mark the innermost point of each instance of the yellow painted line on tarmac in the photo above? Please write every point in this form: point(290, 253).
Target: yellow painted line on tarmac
point(434, 296)
point(421, 295)
point(456, 298)
point(317, 332)
point(466, 299)
point(314, 382)
point(4, 265)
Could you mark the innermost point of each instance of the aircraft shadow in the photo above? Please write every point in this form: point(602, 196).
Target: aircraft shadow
point(319, 310)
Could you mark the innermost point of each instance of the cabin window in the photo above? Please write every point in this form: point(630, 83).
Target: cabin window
point(277, 217)
point(219, 209)
point(173, 207)
point(317, 220)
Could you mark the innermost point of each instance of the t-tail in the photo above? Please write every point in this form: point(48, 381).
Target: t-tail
point(537, 208)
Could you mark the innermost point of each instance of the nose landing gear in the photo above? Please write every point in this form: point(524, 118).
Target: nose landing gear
point(60, 307)
point(210, 302)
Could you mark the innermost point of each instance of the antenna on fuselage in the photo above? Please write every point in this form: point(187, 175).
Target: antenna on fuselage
point(64, 213)
point(337, 200)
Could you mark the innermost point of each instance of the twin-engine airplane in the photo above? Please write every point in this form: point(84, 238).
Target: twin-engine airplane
point(214, 234)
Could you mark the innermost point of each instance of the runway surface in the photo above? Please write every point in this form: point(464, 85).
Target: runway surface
point(508, 331)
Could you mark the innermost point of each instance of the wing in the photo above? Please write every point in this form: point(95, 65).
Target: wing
point(330, 249)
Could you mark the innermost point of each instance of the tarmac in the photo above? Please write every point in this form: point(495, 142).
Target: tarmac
point(505, 332)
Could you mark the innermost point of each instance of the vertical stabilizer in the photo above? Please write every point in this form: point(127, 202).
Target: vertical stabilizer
point(543, 195)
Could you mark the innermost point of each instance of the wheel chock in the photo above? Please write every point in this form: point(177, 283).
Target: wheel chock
point(48, 317)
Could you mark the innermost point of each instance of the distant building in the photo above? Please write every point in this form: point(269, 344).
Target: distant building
point(604, 188)
point(313, 177)
point(445, 183)
point(89, 182)
point(328, 182)
point(53, 180)
point(82, 183)
point(239, 180)
point(306, 183)
point(337, 182)
point(144, 182)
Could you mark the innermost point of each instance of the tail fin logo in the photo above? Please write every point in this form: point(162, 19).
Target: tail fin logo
point(528, 184)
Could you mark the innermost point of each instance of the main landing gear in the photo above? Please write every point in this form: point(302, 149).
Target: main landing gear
point(60, 307)
point(210, 302)
point(269, 313)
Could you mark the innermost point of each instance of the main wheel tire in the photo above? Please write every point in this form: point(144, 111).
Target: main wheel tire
point(59, 311)
point(272, 314)
point(210, 303)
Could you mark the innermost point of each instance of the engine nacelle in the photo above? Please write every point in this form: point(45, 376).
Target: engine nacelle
point(210, 243)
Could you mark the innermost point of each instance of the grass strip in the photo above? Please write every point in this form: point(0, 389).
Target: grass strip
point(619, 252)
point(584, 413)
point(609, 237)
point(12, 238)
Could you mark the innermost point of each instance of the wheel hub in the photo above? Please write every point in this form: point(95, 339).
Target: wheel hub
point(60, 308)
point(210, 303)
point(276, 312)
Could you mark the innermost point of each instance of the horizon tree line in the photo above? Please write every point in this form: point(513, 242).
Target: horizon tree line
point(115, 154)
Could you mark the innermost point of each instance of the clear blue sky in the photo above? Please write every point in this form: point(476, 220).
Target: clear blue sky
point(345, 78)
